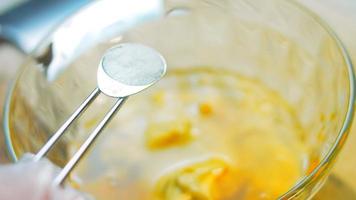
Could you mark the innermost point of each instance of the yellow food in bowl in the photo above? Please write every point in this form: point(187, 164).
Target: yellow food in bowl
point(200, 134)
point(169, 133)
point(208, 179)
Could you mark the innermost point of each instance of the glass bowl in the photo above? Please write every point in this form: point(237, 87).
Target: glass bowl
point(277, 43)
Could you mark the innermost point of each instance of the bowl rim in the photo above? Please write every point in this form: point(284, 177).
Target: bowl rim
point(324, 163)
point(329, 158)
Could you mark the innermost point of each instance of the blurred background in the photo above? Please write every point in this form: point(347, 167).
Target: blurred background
point(339, 14)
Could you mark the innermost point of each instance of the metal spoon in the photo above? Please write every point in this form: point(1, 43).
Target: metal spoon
point(124, 70)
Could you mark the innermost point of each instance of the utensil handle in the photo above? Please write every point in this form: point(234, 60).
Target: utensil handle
point(28, 24)
point(90, 140)
point(55, 137)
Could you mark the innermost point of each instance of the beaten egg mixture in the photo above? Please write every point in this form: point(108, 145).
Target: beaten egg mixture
point(199, 134)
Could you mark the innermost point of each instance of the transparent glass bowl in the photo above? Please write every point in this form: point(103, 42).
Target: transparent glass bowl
point(277, 42)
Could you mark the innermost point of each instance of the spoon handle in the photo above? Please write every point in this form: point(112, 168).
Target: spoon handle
point(44, 150)
point(88, 142)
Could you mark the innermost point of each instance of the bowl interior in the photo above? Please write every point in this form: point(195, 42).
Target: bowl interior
point(278, 44)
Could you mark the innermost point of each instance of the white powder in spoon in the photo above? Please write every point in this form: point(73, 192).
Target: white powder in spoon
point(133, 64)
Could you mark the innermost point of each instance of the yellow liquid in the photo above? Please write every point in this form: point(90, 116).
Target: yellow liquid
point(198, 134)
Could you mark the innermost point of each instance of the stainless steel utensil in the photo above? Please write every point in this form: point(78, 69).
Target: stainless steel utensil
point(124, 70)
